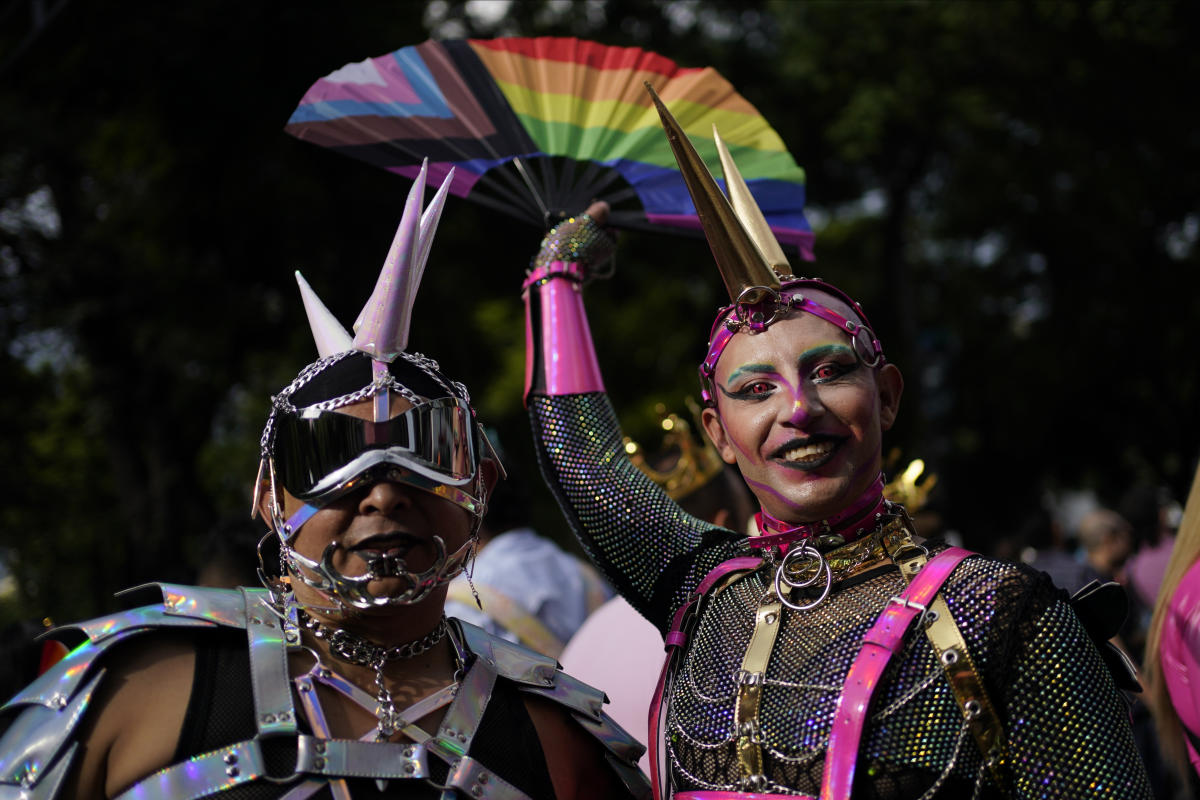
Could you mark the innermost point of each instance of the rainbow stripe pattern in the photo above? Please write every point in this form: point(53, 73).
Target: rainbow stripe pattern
point(476, 104)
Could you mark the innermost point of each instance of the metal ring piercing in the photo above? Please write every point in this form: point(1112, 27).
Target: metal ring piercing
point(798, 552)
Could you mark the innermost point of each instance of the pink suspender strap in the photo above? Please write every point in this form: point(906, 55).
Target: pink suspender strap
point(880, 643)
point(676, 635)
point(675, 639)
point(722, 795)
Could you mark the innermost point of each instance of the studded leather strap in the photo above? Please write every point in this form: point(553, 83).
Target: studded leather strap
point(274, 713)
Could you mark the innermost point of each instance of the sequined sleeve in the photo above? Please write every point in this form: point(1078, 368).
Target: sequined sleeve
point(1068, 728)
point(652, 551)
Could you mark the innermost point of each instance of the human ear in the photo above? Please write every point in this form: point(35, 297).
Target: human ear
point(891, 385)
point(263, 502)
point(711, 421)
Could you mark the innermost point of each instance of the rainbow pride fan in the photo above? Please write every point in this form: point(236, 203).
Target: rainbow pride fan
point(538, 128)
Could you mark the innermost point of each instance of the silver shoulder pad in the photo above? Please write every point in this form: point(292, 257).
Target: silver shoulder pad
point(540, 674)
point(36, 751)
point(36, 748)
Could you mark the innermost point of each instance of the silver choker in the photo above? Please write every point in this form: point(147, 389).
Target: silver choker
point(358, 650)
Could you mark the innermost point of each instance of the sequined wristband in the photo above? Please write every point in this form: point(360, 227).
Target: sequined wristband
point(578, 240)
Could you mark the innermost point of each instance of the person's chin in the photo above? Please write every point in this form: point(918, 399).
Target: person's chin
point(819, 498)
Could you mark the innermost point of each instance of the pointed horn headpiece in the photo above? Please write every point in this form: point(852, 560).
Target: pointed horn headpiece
point(381, 330)
point(744, 269)
point(748, 212)
point(329, 334)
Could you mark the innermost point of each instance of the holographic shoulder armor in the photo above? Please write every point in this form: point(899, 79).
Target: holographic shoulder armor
point(540, 675)
point(36, 749)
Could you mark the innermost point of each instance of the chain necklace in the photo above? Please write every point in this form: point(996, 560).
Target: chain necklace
point(822, 562)
point(362, 651)
point(358, 650)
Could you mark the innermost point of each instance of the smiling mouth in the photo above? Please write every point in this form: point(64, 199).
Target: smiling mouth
point(808, 454)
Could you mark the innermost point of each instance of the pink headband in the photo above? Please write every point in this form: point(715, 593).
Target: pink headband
point(776, 305)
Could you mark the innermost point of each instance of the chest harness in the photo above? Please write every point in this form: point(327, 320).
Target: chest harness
point(921, 605)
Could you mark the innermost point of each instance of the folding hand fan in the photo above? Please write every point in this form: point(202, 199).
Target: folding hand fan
point(538, 128)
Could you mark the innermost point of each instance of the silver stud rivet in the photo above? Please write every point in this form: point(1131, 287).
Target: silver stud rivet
point(232, 772)
point(318, 763)
point(230, 758)
point(319, 747)
point(268, 718)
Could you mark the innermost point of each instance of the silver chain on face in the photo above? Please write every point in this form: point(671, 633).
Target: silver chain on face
point(281, 403)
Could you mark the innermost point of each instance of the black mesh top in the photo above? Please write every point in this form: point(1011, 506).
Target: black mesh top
point(1066, 725)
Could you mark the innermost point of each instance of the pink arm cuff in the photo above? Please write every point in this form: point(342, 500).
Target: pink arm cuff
point(559, 355)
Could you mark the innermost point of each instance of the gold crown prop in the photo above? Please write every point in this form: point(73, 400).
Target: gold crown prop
point(698, 462)
point(905, 489)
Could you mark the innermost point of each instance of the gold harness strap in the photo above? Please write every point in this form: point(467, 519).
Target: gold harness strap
point(951, 648)
point(750, 681)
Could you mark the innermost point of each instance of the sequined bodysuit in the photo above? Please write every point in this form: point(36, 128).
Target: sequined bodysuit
point(1066, 725)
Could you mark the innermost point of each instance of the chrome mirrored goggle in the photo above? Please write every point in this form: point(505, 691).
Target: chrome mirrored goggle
point(319, 456)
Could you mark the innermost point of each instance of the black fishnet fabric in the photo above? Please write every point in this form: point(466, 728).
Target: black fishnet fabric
point(1068, 732)
point(645, 544)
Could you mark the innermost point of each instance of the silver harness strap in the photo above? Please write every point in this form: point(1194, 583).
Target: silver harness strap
point(330, 761)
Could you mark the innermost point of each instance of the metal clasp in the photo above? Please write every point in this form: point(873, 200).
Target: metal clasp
point(744, 677)
point(922, 609)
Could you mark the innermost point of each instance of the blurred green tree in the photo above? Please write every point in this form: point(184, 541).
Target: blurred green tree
point(1010, 188)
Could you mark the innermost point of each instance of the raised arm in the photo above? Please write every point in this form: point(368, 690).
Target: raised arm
point(648, 547)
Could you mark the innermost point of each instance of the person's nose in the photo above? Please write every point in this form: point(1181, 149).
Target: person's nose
point(385, 497)
point(805, 406)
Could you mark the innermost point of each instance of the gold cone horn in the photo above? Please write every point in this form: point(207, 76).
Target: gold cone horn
point(748, 212)
point(742, 266)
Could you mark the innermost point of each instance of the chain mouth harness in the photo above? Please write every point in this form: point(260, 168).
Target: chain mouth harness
point(353, 590)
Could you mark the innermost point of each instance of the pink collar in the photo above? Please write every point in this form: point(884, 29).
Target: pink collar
point(852, 522)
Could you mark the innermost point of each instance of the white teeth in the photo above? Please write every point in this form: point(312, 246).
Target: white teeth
point(809, 452)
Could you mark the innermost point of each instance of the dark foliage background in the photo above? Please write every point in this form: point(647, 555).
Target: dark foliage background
point(1010, 187)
